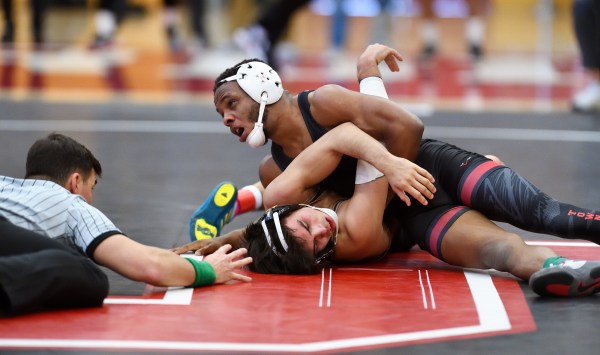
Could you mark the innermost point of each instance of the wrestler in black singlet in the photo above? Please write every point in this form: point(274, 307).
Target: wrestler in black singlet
point(464, 180)
point(341, 180)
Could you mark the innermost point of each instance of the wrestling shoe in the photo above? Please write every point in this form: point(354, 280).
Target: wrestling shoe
point(570, 278)
point(216, 211)
point(587, 100)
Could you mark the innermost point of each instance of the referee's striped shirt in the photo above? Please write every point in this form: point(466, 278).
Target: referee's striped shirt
point(47, 208)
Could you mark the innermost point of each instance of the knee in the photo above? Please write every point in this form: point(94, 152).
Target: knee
point(96, 285)
point(494, 159)
point(85, 278)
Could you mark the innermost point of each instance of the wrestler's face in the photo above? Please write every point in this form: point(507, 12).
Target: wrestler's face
point(314, 227)
point(238, 110)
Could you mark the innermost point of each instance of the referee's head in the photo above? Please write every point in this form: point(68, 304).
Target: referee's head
point(57, 156)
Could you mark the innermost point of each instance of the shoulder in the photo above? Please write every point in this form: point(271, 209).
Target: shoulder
point(332, 104)
point(37, 184)
point(80, 210)
point(327, 91)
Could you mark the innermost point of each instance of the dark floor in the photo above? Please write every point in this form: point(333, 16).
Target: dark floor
point(161, 160)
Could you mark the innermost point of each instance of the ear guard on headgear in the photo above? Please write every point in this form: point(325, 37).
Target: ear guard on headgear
point(263, 85)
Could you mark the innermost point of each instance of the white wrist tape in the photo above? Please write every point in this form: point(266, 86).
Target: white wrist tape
point(366, 172)
point(373, 85)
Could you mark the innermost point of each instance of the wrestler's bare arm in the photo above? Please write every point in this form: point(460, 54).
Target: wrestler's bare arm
point(361, 229)
point(268, 170)
point(399, 130)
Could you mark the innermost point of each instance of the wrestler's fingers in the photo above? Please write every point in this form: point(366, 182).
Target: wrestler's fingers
point(185, 248)
point(425, 187)
point(426, 174)
point(392, 64)
point(178, 250)
point(403, 197)
point(421, 191)
point(206, 250)
point(417, 195)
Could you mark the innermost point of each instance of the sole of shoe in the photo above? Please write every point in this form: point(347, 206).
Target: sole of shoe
point(221, 199)
point(561, 282)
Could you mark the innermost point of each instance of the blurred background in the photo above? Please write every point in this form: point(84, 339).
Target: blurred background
point(458, 54)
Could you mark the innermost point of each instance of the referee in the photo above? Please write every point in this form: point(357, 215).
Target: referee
point(51, 238)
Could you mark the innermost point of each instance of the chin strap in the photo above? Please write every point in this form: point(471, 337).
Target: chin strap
point(257, 138)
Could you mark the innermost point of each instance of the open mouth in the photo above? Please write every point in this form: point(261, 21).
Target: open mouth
point(239, 131)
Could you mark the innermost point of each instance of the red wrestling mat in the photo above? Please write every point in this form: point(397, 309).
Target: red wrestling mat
point(408, 298)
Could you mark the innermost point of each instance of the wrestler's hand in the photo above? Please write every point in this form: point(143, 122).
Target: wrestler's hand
point(406, 177)
point(209, 246)
point(368, 61)
point(226, 265)
point(197, 245)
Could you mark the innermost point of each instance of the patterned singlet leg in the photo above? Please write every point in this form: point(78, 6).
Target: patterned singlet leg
point(505, 196)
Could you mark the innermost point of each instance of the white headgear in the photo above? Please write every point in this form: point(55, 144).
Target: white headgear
point(272, 216)
point(263, 85)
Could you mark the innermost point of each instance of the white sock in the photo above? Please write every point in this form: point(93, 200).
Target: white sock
point(429, 32)
point(474, 30)
point(105, 23)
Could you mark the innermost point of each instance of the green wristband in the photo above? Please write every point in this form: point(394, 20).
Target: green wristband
point(205, 274)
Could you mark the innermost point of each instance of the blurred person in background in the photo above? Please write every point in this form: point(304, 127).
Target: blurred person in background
point(110, 14)
point(172, 22)
point(106, 21)
point(586, 17)
point(474, 28)
point(37, 21)
point(258, 40)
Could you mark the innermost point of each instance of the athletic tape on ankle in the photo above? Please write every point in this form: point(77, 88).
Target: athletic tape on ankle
point(373, 85)
point(205, 274)
point(249, 199)
point(366, 172)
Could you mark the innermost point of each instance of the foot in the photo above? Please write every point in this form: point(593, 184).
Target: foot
point(588, 99)
point(571, 278)
point(216, 211)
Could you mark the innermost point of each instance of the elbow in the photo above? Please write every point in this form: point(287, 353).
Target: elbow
point(410, 127)
point(412, 133)
point(416, 126)
point(403, 138)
